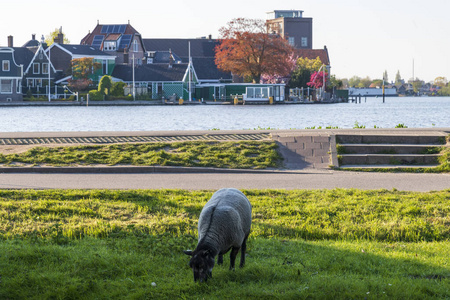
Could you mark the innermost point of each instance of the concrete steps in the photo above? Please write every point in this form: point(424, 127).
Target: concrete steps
point(388, 151)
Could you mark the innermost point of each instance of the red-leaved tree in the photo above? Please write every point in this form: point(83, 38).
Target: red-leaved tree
point(246, 49)
point(317, 79)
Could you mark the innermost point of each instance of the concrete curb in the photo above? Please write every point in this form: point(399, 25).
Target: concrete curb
point(131, 170)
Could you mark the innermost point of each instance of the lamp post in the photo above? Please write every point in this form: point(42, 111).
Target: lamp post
point(134, 90)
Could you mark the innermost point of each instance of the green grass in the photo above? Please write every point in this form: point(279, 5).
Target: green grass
point(323, 244)
point(242, 154)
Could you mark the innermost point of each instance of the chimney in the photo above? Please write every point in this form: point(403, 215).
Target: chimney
point(61, 36)
point(209, 36)
point(10, 41)
point(33, 36)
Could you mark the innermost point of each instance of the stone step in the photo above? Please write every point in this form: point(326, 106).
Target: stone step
point(390, 148)
point(386, 166)
point(390, 139)
point(388, 159)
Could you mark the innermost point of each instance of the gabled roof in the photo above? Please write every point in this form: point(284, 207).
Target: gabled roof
point(199, 47)
point(314, 53)
point(150, 72)
point(81, 50)
point(103, 30)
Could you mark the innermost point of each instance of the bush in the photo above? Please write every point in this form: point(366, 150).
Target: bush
point(105, 85)
point(117, 89)
point(95, 95)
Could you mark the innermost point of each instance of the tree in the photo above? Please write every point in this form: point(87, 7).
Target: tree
point(117, 88)
point(385, 76)
point(365, 82)
point(317, 79)
point(105, 85)
point(290, 64)
point(49, 39)
point(440, 81)
point(354, 81)
point(398, 79)
point(302, 74)
point(82, 69)
point(246, 49)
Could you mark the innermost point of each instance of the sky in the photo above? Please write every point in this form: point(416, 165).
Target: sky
point(364, 38)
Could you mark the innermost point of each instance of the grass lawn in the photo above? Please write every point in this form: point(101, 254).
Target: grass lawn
point(239, 155)
point(323, 244)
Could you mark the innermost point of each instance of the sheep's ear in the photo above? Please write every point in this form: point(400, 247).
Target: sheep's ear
point(188, 252)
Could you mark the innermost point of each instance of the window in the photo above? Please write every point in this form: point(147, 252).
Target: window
point(38, 82)
point(291, 41)
point(109, 46)
point(36, 68)
point(304, 42)
point(6, 86)
point(135, 46)
point(5, 66)
point(45, 68)
point(30, 83)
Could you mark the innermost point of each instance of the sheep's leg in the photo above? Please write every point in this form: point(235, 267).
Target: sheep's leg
point(220, 259)
point(243, 249)
point(234, 252)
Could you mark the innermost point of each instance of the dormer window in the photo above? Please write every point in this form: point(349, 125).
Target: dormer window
point(110, 46)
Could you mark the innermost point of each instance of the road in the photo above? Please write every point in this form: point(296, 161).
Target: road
point(199, 181)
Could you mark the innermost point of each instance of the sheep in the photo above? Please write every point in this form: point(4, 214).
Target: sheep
point(224, 224)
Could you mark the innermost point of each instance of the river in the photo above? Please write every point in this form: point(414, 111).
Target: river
point(418, 112)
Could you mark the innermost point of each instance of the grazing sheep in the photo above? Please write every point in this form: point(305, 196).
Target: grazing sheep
point(224, 224)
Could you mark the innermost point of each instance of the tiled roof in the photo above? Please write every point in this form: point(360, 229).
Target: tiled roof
point(150, 72)
point(113, 37)
point(314, 53)
point(100, 30)
point(199, 47)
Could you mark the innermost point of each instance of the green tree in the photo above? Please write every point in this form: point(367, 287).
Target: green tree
point(385, 76)
point(49, 39)
point(302, 74)
point(398, 79)
point(417, 85)
point(440, 81)
point(365, 82)
point(354, 81)
point(105, 85)
point(335, 82)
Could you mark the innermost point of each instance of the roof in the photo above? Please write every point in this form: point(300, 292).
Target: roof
point(23, 56)
point(199, 47)
point(104, 30)
point(82, 50)
point(150, 72)
point(206, 69)
point(314, 53)
point(32, 43)
point(113, 37)
point(163, 57)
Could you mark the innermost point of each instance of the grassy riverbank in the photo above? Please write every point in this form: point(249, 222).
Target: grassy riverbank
point(324, 244)
point(239, 155)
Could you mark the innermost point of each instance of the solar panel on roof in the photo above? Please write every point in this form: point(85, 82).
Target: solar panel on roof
point(104, 29)
point(122, 28)
point(97, 42)
point(125, 41)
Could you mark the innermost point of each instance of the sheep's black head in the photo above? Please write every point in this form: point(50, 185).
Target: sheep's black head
point(202, 263)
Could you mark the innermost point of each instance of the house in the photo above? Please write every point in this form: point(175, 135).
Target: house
point(291, 25)
point(39, 73)
point(11, 73)
point(119, 40)
point(201, 51)
point(61, 56)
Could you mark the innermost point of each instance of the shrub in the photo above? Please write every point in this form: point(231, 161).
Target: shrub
point(105, 85)
point(95, 95)
point(117, 89)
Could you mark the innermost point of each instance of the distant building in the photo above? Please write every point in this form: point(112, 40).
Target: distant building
point(291, 25)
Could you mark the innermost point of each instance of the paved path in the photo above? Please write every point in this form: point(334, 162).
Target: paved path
point(306, 153)
point(200, 181)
